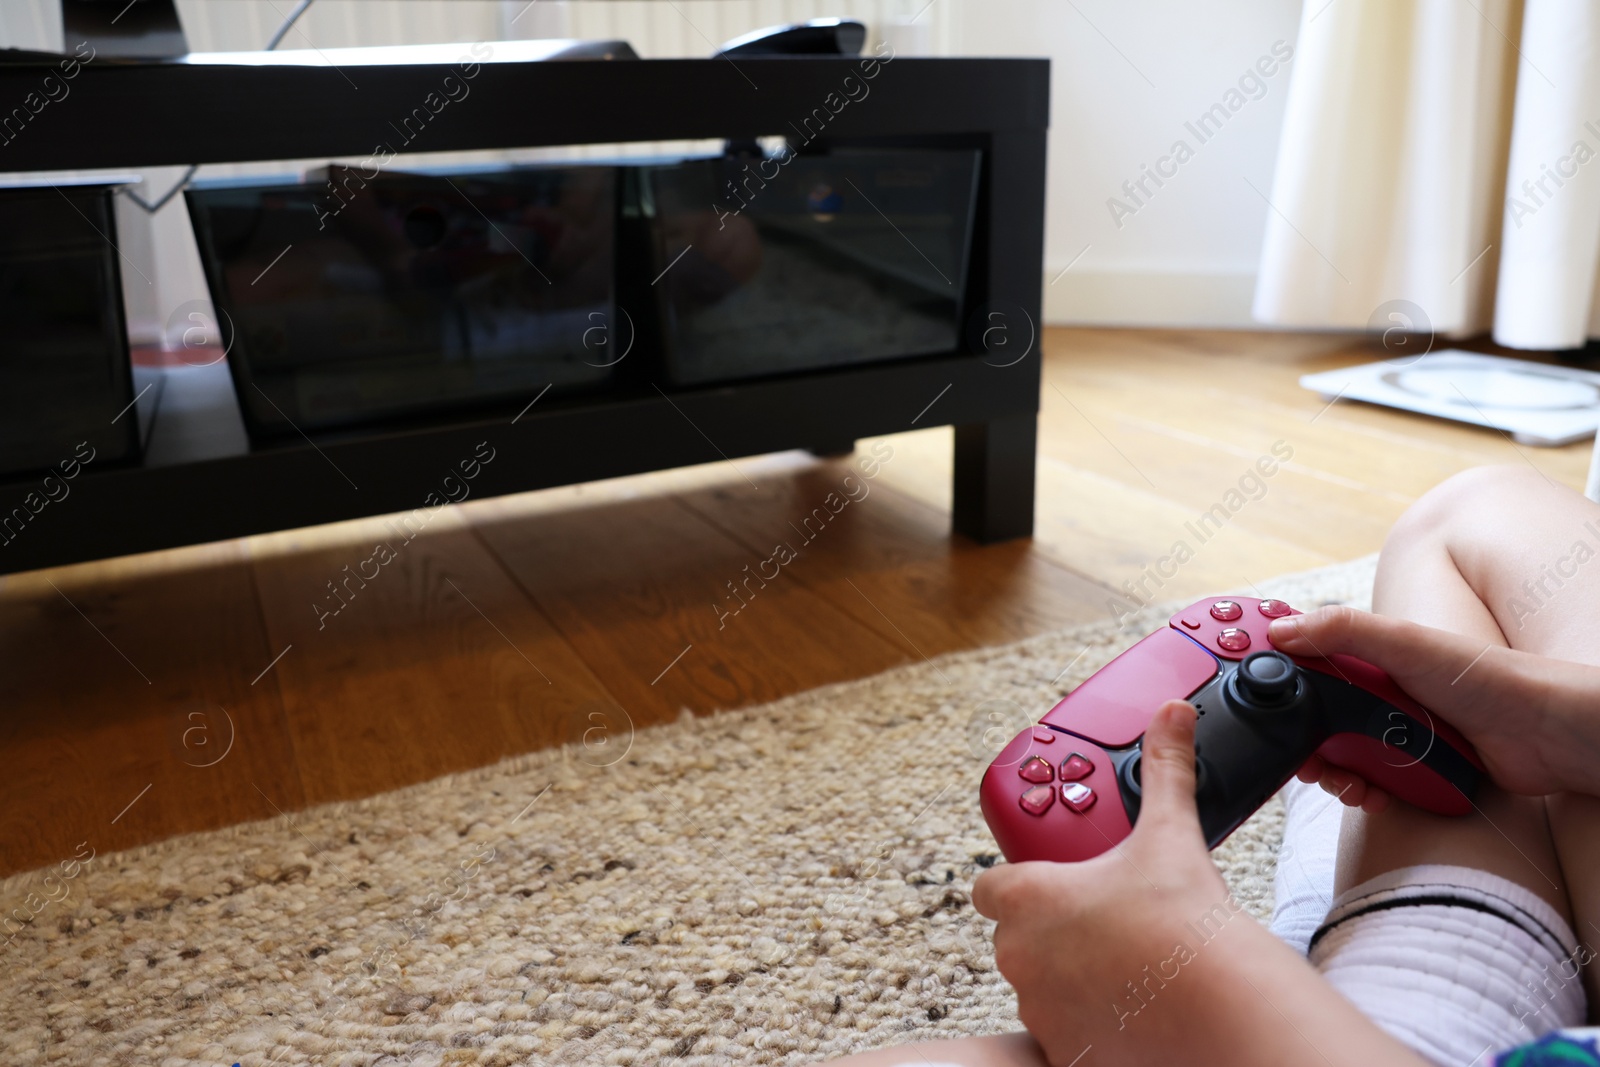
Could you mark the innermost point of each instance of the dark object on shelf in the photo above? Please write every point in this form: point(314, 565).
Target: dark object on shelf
point(790, 263)
point(139, 29)
point(234, 112)
point(369, 297)
point(64, 353)
point(818, 37)
point(602, 49)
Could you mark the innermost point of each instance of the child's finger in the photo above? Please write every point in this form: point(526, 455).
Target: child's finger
point(996, 889)
point(1166, 770)
point(1310, 771)
point(1348, 788)
point(1334, 629)
point(1394, 645)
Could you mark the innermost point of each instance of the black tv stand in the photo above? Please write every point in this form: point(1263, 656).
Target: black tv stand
point(150, 114)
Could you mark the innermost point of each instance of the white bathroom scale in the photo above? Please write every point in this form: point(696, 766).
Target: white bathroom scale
point(1536, 403)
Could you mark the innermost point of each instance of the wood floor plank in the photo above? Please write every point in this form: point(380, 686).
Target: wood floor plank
point(1124, 407)
point(608, 591)
point(660, 605)
point(891, 561)
point(1221, 389)
point(1268, 347)
point(1290, 500)
point(435, 662)
point(1124, 534)
point(129, 712)
point(1344, 435)
point(1114, 531)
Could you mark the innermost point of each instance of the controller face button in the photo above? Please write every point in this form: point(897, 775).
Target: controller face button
point(1274, 609)
point(1044, 737)
point(1233, 639)
point(1037, 800)
point(1076, 766)
point(1036, 769)
point(1226, 610)
point(1077, 796)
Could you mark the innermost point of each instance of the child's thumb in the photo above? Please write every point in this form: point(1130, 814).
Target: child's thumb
point(1338, 629)
point(1166, 769)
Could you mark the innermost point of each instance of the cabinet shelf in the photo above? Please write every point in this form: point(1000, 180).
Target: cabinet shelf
point(201, 481)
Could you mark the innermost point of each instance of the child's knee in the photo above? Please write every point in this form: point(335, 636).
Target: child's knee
point(1471, 503)
point(1479, 486)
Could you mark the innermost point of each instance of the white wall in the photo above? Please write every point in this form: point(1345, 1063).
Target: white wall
point(1125, 79)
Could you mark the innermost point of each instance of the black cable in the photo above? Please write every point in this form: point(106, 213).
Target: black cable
point(287, 24)
point(188, 175)
point(152, 208)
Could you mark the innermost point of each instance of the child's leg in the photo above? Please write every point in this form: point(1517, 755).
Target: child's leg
point(1493, 553)
point(1003, 1050)
point(1445, 565)
point(1501, 553)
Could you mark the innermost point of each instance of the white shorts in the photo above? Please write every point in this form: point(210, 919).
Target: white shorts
point(1455, 963)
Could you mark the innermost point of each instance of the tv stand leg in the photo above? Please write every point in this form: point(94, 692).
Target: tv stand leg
point(994, 468)
point(833, 449)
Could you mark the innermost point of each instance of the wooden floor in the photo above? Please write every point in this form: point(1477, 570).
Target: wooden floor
point(184, 690)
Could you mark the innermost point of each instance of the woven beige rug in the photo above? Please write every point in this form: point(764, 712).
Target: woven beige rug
point(778, 884)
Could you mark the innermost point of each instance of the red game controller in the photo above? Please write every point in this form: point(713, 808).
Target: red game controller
point(1068, 788)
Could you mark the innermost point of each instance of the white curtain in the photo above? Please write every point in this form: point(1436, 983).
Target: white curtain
point(1445, 153)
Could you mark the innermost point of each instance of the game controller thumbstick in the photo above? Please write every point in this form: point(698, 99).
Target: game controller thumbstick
point(1069, 787)
point(1267, 679)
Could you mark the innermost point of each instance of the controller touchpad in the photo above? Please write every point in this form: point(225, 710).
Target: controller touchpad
point(1114, 707)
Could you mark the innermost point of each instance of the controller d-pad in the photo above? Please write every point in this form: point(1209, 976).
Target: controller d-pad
point(1076, 766)
point(1077, 796)
point(1037, 800)
point(1035, 769)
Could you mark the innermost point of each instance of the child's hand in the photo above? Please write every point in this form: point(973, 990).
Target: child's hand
point(1141, 956)
point(1073, 936)
point(1513, 706)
